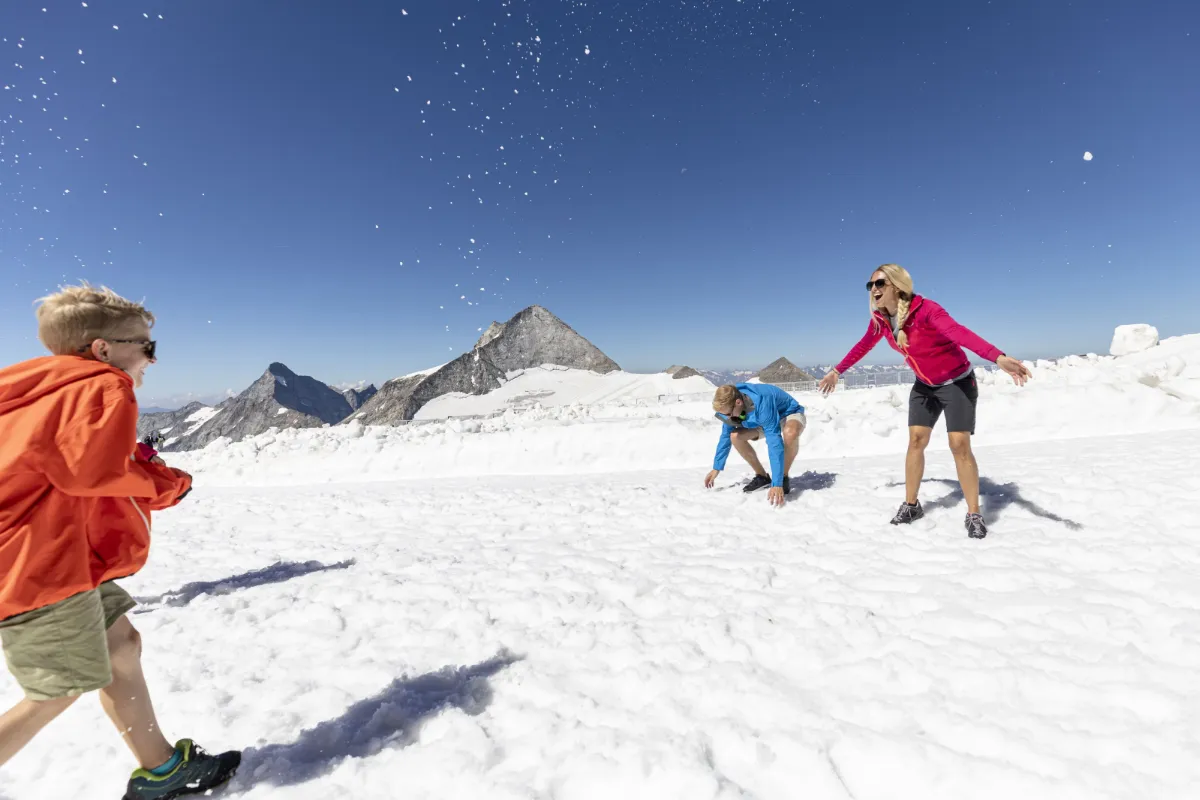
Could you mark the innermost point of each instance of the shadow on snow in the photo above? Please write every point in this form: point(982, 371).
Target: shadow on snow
point(390, 719)
point(994, 498)
point(275, 573)
point(807, 482)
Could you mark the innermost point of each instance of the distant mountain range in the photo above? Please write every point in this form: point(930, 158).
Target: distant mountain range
point(280, 398)
point(815, 372)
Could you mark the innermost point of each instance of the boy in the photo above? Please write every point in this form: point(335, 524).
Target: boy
point(750, 411)
point(75, 509)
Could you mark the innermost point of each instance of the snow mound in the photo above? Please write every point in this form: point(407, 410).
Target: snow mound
point(1133, 339)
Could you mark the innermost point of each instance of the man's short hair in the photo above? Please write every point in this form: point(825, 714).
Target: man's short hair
point(724, 399)
point(78, 315)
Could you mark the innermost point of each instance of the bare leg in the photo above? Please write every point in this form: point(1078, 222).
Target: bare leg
point(127, 699)
point(914, 462)
point(24, 720)
point(791, 444)
point(741, 443)
point(968, 469)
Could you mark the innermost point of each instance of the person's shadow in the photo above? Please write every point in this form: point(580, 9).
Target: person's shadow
point(391, 718)
point(278, 572)
point(994, 498)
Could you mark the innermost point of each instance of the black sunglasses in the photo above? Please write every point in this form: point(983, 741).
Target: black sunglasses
point(148, 345)
point(879, 284)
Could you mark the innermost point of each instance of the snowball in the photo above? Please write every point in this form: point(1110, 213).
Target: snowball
point(1087, 156)
point(1133, 339)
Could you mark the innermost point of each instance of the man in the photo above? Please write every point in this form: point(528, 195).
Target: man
point(751, 411)
point(75, 511)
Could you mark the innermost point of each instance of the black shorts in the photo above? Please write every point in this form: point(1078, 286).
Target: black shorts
point(926, 404)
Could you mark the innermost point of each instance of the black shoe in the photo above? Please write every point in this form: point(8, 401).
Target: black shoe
point(787, 485)
point(908, 513)
point(196, 773)
point(759, 482)
point(975, 527)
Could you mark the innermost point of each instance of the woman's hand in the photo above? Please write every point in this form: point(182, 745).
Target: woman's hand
point(829, 382)
point(1019, 372)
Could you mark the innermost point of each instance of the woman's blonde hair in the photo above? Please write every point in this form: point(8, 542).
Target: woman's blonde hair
point(897, 276)
point(77, 315)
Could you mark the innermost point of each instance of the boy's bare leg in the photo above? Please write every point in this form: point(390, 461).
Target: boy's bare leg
point(127, 699)
point(741, 443)
point(23, 721)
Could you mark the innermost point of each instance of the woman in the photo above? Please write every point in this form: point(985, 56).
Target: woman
point(932, 345)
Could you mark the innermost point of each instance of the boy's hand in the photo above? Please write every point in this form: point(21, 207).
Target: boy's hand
point(710, 478)
point(775, 496)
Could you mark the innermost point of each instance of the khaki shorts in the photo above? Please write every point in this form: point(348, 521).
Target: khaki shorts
point(61, 650)
point(754, 434)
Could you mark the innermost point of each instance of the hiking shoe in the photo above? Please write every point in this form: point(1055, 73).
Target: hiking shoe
point(975, 527)
point(197, 772)
point(787, 485)
point(759, 482)
point(908, 513)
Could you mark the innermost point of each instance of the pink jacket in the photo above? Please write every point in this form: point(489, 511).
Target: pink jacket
point(935, 343)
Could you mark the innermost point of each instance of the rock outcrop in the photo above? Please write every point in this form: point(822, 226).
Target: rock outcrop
point(531, 338)
point(278, 399)
point(680, 372)
point(357, 397)
point(783, 371)
point(169, 423)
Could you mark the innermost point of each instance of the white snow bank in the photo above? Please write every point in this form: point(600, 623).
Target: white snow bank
point(673, 643)
point(552, 385)
point(1079, 396)
point(1133, 339)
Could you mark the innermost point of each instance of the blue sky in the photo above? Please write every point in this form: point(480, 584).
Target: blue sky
point(705, 182)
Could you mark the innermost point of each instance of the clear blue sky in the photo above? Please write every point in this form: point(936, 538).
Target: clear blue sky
point(707, 182)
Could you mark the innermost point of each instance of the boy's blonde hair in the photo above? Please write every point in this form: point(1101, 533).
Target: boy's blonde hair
point(76, 316)
point(725, 397)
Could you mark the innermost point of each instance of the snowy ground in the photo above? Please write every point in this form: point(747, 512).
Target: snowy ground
point(554, 607)
point(550, 385)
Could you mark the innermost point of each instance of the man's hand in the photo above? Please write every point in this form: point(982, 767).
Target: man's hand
point(829, 382)
point(710, 478)
point(157, 460)
point(1019, 372)
point(775, 496)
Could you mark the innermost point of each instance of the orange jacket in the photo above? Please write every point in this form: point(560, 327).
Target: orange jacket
point(74, 503)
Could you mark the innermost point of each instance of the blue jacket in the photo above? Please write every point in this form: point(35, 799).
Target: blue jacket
point(771, 405)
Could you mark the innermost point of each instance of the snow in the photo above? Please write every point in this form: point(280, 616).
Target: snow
point(547, 604)
point(199, 417)
point(280, 411)
point(1129, 339)
point(551, 385)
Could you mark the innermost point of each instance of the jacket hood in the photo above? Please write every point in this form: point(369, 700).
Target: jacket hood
point(22, 384)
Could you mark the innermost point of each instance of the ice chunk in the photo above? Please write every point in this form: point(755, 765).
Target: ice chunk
point(1133, 339)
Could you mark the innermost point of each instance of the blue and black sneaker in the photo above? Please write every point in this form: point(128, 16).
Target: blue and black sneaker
point(197, 772)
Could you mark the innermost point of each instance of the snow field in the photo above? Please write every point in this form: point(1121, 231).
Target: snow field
point(657, 640)
point(548, 604)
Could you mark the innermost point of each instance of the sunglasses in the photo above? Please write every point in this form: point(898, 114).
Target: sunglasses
point(879, 284)
point(148, 345)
